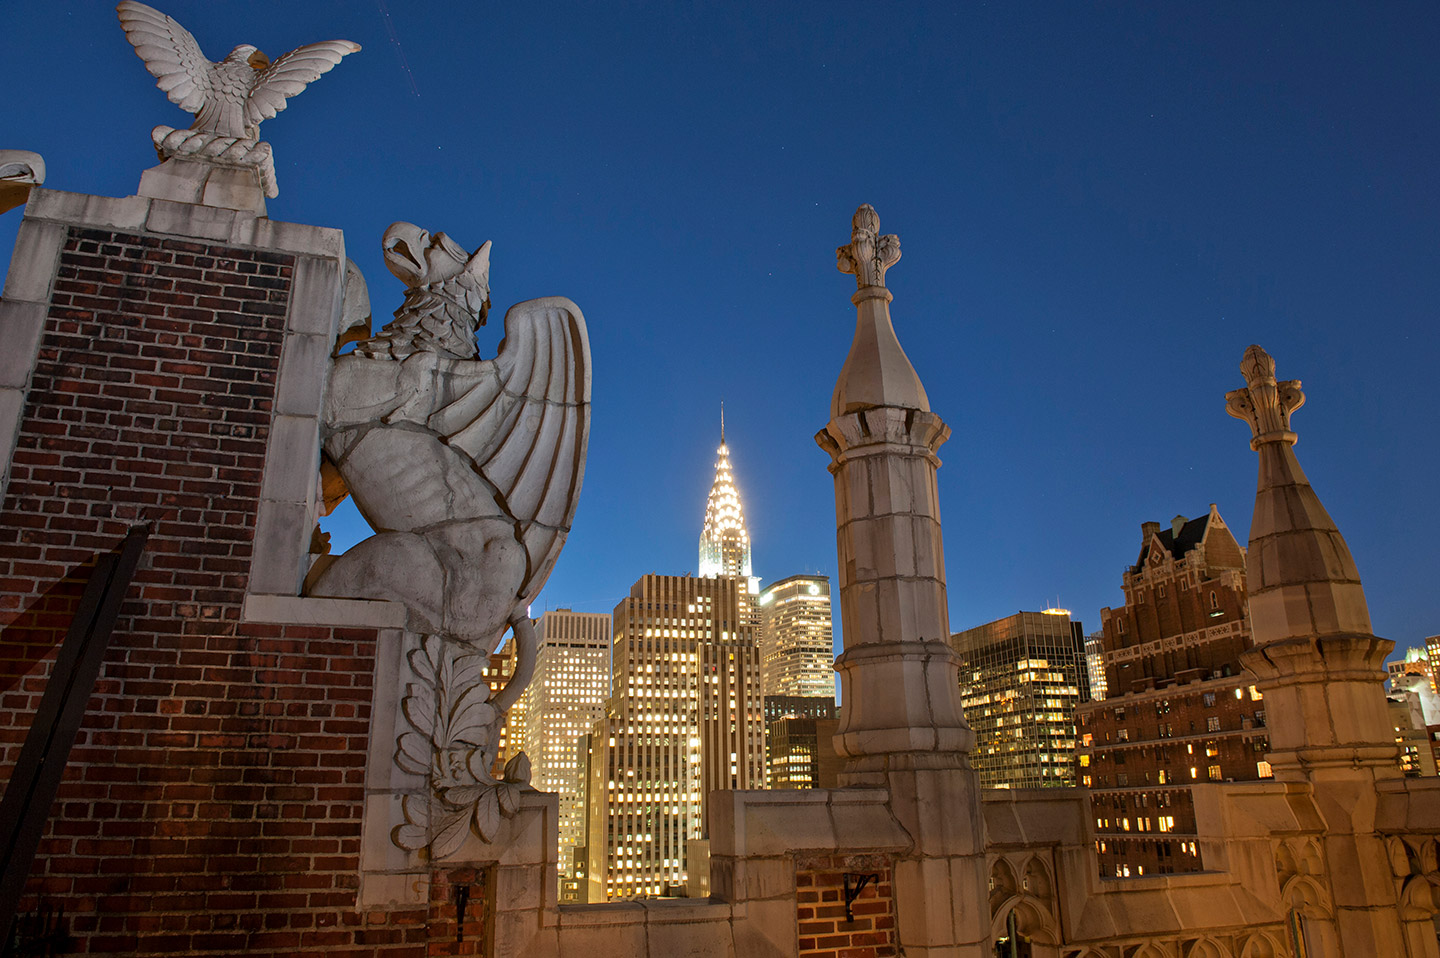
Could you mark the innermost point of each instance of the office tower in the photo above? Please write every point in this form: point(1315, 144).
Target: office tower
point(1021, 678)
point(796, 653)
point(684, 718)
point(800, 750)
point(558, 707)
point(800, 741)
point(1177, 710)
point(1095, 664)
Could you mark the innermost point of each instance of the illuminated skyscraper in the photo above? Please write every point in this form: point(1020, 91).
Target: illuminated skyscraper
point(724, 541)
point(796, 655)
point(561, 703)
point(685, 718)
point(1020, 680)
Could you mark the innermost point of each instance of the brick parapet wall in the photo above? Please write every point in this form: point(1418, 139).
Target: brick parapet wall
point(214, 800)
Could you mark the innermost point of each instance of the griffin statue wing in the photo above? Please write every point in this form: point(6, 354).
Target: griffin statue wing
point(528, 426)
point(170, 53)
point(290, 74)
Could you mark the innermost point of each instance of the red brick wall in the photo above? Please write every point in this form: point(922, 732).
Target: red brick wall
point(212, 803)
point(820, 898)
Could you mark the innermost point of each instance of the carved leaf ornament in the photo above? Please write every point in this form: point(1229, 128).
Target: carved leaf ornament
point(453, 728)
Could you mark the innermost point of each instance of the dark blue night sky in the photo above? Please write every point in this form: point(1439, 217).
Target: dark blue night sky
point(1100, 207)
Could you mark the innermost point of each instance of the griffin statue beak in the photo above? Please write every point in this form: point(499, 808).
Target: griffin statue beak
point(404, 246)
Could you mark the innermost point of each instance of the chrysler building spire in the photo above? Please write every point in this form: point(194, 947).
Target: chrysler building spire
point(724, 542)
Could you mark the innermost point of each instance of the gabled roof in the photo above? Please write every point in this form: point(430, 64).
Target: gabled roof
point(1190, 533)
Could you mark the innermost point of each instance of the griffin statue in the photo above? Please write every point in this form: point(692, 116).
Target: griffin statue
point(469, 470)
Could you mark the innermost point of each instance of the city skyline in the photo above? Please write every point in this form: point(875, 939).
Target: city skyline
point(1099, 209)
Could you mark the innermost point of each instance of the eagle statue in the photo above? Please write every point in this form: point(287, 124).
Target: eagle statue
point(231, 97)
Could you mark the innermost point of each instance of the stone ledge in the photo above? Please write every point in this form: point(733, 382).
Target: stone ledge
point(303, 610)
point(128, 213)
point(646, 912)
point(136, 214)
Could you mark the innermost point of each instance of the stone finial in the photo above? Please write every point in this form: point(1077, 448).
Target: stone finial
point(1264, 403)
point(868, 254)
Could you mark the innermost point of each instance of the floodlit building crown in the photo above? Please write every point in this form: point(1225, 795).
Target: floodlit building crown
point(724, 542)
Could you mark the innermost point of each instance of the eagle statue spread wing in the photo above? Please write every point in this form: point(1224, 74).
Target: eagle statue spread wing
point(233, 96)
point(468, 469)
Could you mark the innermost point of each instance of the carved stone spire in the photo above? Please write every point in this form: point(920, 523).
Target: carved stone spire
point(902, 728)
point(898, 673)
point(877, 372)
point(1315, 657)
point(1301, 576)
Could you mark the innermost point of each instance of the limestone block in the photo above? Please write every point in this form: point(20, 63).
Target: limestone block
point(688, 939)
point(304, 610)
point(769, 878)
point(127, 214)
point(21, 324)
point(620, 938)
point(12, 406)
point(34, 260)
point(317, 293)
point(603, 915)
point(519, 887)
point(282, 535)
point(925, 906)
point(187, 219)
point(929, 550)
point(398, 891)
point(867, 545)
point(321, 242)
point(378, 854)
point(766, 929)
point(865, 825)
point(860, 605)
point(304, 361)
point(382, 773)
point(514, 933)
point(1002, 810)
point(292, 459)
point(233, 188)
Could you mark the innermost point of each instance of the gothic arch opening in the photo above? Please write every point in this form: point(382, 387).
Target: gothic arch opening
point(1025, 929)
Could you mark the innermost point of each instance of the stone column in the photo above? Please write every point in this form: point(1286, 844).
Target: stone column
point(1318, 663)
point(902, 726)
